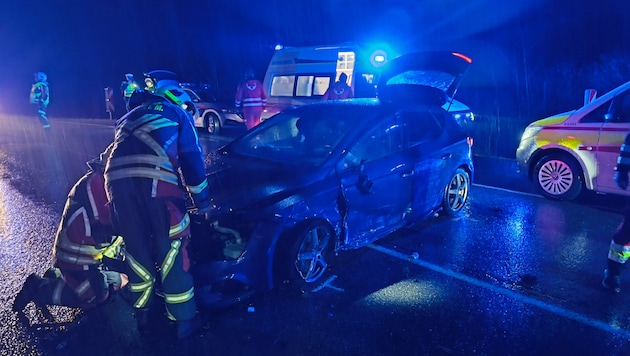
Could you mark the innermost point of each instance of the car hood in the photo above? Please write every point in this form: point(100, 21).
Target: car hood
point(242, 183)
point(434, 75)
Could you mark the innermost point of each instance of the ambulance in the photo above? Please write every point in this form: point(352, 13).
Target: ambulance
point(576, 150)
point(300, 75)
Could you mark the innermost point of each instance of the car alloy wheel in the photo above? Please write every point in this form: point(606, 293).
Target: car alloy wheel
point(456, 193)
point(311, 258)
point(305, 255)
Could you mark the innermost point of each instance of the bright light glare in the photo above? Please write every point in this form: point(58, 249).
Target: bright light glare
point(405, 293)
point(278, 47)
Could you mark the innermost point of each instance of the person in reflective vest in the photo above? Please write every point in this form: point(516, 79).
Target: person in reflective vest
point(339, 90)
point(40, 97)
point(79, 278)
point(251, 96)
point(127, 87)
point(619, 250)
point(153, 143)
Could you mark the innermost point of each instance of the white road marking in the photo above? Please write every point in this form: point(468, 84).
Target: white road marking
point(569, 314)
point(327, 284)
point(509, 190)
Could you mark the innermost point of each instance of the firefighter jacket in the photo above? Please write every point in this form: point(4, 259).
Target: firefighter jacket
point(623, 161)
point(40, 93)
point(250, 94)
point(339, 90)
point(155, 142)
point(85, 229)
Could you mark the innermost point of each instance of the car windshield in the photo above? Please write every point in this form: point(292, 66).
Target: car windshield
point(301, 137)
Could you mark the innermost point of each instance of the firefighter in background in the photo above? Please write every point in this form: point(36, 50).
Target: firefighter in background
point(79, 278)
point(153, 143)
point(251, 96)
point(339, 90)
point(40, 96)
point(619, 250)
point(127, 87)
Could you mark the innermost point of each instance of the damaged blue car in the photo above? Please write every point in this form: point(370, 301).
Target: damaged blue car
point(291, 195)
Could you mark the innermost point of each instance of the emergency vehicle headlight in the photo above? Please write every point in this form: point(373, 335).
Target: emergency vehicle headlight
point(530, 132)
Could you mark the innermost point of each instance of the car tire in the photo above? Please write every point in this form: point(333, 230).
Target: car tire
point(212, 123)
point(305, 256)
point(456, 193)
point(558, 177)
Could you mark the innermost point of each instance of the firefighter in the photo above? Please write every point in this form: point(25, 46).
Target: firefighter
point(339, 90)
point(619, 250)
point(40, 96)
point(152, 144)
point(127, 87)
point(251, 96)
point(79, 278)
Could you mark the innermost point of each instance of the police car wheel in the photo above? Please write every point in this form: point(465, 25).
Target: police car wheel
point(558, 177)
point(212, 123)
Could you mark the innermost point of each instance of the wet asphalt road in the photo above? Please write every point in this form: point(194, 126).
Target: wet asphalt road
point(517, 275)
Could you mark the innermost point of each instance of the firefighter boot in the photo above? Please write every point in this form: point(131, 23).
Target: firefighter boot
point(143, 321)
point(612, 276)
point(28, 292)
point(186, 328)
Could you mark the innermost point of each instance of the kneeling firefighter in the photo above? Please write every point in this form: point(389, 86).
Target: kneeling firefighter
point(84, 237)
point(153, 143)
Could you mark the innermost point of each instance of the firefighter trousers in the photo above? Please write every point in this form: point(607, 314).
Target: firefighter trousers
point(145, 222)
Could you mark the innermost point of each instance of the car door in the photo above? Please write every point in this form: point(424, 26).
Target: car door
point(377, 183)
point(612, 135)
point(430, 159)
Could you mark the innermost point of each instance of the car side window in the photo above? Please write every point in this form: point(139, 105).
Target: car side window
point(385, 139)
point(598, 114)
point(421, 126)
point(619, 108)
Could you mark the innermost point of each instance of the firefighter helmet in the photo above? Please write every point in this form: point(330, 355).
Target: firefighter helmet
point(41, 76)
point(165, 84)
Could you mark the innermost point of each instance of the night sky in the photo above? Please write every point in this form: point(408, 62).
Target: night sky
point(85, 46)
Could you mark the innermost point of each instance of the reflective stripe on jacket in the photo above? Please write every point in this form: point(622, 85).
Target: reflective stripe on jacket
point(623, 161)
point(85, 227)
point(154, 142)
point(40, 93)
point(250, 94)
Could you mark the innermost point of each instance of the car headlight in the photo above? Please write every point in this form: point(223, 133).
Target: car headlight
point(530, 131)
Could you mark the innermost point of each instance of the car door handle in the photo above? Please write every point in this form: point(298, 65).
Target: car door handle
point(447, 156)
point(407, 174)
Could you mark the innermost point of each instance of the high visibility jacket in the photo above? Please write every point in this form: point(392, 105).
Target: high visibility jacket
point(250, 94)
point(85, 228)
point(339, 90)
point(40, 93)
point(154, 142)
point(623, 161)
